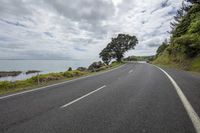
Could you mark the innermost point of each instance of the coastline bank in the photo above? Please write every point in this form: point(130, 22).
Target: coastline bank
point(52, 78)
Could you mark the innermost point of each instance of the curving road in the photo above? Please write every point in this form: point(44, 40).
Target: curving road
point(134, 98)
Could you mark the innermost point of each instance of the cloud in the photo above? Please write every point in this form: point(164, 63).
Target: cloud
point(14, 7)
point(79, 29)
point(13, 23)
point(84, 10)
point(48, 34)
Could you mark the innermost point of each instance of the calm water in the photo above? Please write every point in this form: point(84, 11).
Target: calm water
point(46, 66)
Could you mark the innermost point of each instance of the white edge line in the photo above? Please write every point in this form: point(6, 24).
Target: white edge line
point(130, 71)
point(82, 97)
point(37, 89)
point(188, 107)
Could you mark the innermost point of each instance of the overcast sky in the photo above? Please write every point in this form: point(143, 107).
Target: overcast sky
point(79, 29)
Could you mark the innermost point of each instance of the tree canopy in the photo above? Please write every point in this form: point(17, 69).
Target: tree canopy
point(162, 47)
point(117, 47)
point(185, 34)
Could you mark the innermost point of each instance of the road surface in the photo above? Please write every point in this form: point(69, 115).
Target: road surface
point(134, 98)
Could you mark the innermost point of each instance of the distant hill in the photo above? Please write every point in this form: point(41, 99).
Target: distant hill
point(183, 48)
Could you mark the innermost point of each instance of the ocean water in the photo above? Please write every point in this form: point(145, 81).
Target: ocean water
point(45, 66)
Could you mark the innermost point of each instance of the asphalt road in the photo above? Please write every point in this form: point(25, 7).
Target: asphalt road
point(134, 98)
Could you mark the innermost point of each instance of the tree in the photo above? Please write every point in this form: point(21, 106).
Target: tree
point(105, 55)
point(117, 47)
point(162, 47)
point(69, 69)
point(179, 16)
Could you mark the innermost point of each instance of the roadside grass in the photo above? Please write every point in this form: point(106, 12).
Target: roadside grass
point(49, 79)
point(189, 65)
point(195, 64)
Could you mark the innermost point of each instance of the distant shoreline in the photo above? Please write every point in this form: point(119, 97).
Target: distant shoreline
point(4, 74)
point(9, 73)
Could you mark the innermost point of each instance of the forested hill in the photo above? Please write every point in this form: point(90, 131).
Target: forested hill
point(183, 48)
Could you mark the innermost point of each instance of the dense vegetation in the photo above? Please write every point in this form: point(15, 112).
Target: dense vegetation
point(117, 47)
point(183, 48)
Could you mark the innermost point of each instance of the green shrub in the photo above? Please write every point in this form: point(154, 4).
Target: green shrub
point(195, 27)
point(69, 69)
point(195, 65)
point(115, 63)
point(190, 44)
point(102, 68)
point(161, 48)
point(4, 85)
point(7, 85)
point(47, 77)
point(74, 73)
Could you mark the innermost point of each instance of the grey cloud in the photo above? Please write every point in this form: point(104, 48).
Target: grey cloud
point(126, 6)
point(156, 10)
point(82, 40)
point(76, 29)
point(143, 11)
point(13, 23)
point(31, 54)
point(165, 3)
point(173, 11)
point(41, 54)
point(4, 39)
point(87, 10)
point(14, 7)
point(79, 49)
point(48, 34)
point(153, 45)
point(29, 19)
point(88, 14)
point(12, 46)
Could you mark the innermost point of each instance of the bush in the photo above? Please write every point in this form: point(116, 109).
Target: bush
point(48, 77)
point(161, 48)
point(114, 63)
point(69, 69)
point(102, 68)
point(195, 27)
point(74, 73)
point(81, 69)
point(195, 65)
point(191, 44)
point(68, 74)
point(6, 85)
point(95, 65)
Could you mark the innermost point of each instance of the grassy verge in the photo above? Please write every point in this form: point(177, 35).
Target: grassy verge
point(48, 79)
point(187, 64)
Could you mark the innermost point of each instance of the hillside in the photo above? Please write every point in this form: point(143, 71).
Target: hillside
point(183, 49)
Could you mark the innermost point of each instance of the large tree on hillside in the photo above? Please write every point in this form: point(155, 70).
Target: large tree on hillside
point(179, 16)
point(117, 47)
point(106, 55)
